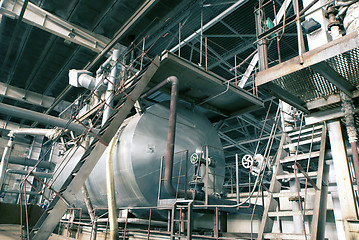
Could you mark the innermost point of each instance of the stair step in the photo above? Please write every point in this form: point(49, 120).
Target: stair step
point(300, 157)
point(289, 213)
point(293, 194)
point(291, 236)
point(307, 135)
point(317, 139)
point(305, 129)
point(299, 175)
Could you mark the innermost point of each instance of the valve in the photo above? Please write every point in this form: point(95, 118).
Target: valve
point(247, 161)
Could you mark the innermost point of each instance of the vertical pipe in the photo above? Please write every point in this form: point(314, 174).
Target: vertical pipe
point(301, 47)
point(179, 39)
point(5, 159)
point(110, 186)
point(348, 110)
point(237, 179)
point(201, 37)
point(110, 88)
point(262, 43)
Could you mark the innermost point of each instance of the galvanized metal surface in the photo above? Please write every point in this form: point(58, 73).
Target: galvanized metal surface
point(137, 156)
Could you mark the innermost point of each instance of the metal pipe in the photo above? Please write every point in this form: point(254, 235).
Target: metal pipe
point(31, 162)
point(110, 88)
point(23, 172)
point(171, 133)
point(110, 186)
point(348, 110)
point(41, 117)
point(5, 158)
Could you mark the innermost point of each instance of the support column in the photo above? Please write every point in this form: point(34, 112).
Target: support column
point(345, 191)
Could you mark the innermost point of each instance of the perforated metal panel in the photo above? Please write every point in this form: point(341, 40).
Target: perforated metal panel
point(309, 85)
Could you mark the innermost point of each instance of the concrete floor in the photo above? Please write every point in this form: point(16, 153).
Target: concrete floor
point(12, 232)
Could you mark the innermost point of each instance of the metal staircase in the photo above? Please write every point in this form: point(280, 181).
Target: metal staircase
point(180, 218)
point(300, 158)
point(130, 93)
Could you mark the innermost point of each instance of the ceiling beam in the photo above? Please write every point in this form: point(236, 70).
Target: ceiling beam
point(30, 97)
point(210, 24)
point(139, 13)
point(40, 18)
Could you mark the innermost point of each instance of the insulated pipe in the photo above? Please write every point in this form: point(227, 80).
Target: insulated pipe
point(23, 172)
point(5, 158)
point(110, 186)
point(50, 133)
point(31, 162)
point(40, 117)
point(170, 135)
point(348, 110)
point(110, 88)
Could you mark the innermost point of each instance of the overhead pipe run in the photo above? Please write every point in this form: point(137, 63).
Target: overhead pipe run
point(43, 118)
point(31, 163)
point(49, 133)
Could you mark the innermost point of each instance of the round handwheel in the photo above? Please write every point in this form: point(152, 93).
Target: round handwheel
point(194, 158)
point(247, 161)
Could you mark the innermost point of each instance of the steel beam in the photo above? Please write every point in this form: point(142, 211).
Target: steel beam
point(210, 24)
point(40, 18)
point(334, 77)
point(30, 97)
point(287, 97)
point(143, 9)
point(231, 141)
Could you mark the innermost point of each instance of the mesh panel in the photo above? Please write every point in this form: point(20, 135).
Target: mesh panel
point(309, 85)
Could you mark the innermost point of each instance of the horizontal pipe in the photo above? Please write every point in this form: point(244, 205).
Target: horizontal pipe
point(31, 162)
point(41, 117)
point(23, 172)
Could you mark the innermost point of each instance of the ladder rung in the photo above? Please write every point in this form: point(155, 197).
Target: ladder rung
point(293, 194)
point(300, 157)
point(304, 130)
point(291, 236)
point(299, 175)
point(289, 213)
point(317, 139)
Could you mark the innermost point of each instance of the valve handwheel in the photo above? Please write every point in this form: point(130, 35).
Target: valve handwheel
point(247, 161)
point(194, 158)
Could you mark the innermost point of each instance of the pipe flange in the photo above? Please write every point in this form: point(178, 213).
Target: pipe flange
point(333, 24)
point(330, 10)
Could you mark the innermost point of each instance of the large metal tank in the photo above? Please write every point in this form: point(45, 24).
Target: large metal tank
point(141, 142)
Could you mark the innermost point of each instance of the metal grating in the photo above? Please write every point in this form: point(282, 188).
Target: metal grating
point(306, 84)
point(347, 65)
point(309, 85)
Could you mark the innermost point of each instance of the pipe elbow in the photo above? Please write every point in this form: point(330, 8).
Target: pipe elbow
point(173, 80)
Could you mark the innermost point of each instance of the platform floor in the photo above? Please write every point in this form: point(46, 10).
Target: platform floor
point(12, 232)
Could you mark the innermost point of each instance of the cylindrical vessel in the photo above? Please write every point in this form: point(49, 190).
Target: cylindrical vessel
point(141, 143)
